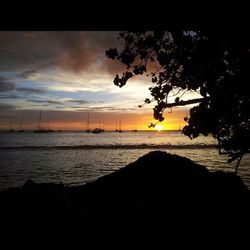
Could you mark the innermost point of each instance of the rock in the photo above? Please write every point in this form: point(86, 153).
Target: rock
point(29, 184)
point(158, 187)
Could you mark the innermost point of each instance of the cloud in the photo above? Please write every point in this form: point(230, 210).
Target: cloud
point(31, 90)
point(74, 51)
point(110, 108)
point(27, 73)
point(65, 64)
point(46, 101)
point(4, 106)
point(6, 85)
point(80, 101)
point(10, 97)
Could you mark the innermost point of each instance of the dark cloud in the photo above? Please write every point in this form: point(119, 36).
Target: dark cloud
point(110, 108)
point(10, 97)
point(76, 51)
point(31, 90)
point(4, 106)
point(75, 107)
point(80, 101)
point(6, 85)
point(81, 50)
point(54, 102)
point(27, 73)
point(45, 101)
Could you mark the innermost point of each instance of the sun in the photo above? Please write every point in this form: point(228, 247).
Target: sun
point(159, 127)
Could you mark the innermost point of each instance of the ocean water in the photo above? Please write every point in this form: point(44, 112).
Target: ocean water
point(74, 158)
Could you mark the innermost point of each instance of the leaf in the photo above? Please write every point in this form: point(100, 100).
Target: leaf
point(112, 53)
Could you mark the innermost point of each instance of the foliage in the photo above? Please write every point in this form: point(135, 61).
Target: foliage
point(215, 65)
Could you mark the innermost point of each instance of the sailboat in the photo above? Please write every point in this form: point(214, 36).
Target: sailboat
point(116, 129)
point(102, 126)
point(40, 129)
point(98, 130)
point(88, 129)
point(11, 129)
point(134, 130)
point(20, 128)
point(120, 129)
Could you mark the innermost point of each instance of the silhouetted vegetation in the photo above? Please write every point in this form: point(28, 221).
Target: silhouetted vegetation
point(214, 64)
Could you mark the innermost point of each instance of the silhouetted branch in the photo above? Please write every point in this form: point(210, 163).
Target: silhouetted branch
point(184, 103)
point(238, 163)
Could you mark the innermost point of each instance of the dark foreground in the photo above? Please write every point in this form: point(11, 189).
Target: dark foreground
point(158, 189)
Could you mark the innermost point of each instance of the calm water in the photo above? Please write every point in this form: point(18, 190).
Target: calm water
point(76, 158)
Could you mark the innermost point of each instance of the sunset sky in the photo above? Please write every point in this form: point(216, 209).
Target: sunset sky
point(67, 76)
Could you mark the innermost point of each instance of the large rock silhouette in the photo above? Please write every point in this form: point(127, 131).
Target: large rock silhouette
point(158, 187)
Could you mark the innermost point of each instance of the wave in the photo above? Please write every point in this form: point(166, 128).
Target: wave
point(110, 146)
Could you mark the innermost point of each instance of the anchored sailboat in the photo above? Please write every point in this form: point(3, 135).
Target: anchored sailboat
point(88, 129)
point(116, 128)
point(120, 128)
point(134, 130)
point(11, 128)
point(20, 128)
point(40, 129)
point(98, 130)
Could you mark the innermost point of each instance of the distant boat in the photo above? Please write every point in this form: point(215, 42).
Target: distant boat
point(50, 130)
point(11, 130)
point(88, 129)
point(120, 128)
point(40, 129)
point(116, 129)
point(20, 128)
point(134, 130)
point(102, 127)
point(97, 131)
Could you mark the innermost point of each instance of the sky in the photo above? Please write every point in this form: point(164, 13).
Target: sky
point(66, 76)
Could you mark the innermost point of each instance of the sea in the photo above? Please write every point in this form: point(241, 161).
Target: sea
point(75, 158)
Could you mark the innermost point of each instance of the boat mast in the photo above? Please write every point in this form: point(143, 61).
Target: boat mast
point(88, 123)
point(40, 120)
point(48, 123)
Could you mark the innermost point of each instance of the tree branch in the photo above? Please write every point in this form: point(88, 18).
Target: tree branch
point(183, 103)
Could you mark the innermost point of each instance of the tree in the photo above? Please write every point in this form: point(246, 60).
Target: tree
point(214, 64)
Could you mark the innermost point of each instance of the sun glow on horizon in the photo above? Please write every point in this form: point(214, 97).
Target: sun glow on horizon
point(159, 127)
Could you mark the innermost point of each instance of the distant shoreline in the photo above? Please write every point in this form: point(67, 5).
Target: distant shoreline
point(84, 131)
